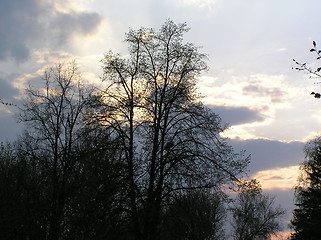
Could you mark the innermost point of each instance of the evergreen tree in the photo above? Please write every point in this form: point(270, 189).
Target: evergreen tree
point(306, 217)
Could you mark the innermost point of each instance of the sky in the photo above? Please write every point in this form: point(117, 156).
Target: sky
point(250, 84)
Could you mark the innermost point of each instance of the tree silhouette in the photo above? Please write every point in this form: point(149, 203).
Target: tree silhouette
point(313, 72)
point(254, 213)
point(169, 139)
point(142, 159)
point(195, 215)
point(23, 204)
point(306, 217)
point(53, 115)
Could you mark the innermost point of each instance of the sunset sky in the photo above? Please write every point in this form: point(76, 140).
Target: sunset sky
point(250, 44)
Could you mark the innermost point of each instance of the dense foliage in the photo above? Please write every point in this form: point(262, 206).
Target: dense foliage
point(306, 217)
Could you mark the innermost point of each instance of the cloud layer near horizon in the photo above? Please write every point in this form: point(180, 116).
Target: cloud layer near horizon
point(270, 154)
point(233, 115)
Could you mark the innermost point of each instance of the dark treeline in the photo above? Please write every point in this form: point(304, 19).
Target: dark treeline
point(141, 159)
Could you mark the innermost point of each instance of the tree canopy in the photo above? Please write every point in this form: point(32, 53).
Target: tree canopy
point(170, 140)
point(306, 217)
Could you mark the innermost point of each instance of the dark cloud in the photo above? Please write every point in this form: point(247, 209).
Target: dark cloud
point(20, 52)
point(269, 154)
point(27, 23)
point(10, 128)
point(17, 28)
point(237, 115)
point(275, 94)
point(64, 25)
point(7, 91)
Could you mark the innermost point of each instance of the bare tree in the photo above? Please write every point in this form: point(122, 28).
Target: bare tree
point(170, 141)
point(254, 215)
point(53, 115)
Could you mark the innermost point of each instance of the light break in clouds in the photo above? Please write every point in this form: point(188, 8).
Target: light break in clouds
point(278, 178)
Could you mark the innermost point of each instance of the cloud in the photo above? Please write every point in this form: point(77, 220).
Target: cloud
point(11, 129)
point(237, 115)
point(276, 95)
point(278, 178)
point(49, 57)
point(270, 96)
point(7, 91)
point(199, 3)
point(270, 154)
point(18, 26)
point(259, 91)
point(26, 23)
point(284, 235)
point(65, 25)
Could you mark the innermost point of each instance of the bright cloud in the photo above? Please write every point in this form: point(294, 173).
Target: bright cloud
point(48, 56)
point(199, 3)
point(281, 235)
point(256, 90)
point(272, 97)
point(278, 178)
point(261, 93)
point(67, 6)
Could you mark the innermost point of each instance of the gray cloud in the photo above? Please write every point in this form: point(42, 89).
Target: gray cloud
point(11, 129)
point(237, 115)
point(7, 91)
point(65, 25)
point(269, 154)
point(25, 23)
point(275, 94)
point(18, 26)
